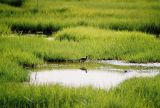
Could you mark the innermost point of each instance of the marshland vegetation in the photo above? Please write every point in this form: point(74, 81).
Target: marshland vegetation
point(50, 16)
point(99, 29)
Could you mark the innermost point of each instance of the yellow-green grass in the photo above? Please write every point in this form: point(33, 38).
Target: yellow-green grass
point(102, 44)
point(82, 27)
point(53, 15)
point(134, 93)
point(71, 44)
point(4, 29)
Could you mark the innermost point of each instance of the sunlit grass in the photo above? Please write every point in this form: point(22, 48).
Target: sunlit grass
point(79, 28)
point(133, 93)
point(51, 16)
point(71, 44)
point(102, 44)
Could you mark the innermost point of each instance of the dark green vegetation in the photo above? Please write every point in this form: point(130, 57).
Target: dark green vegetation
point(100, 29)
point(13, 2)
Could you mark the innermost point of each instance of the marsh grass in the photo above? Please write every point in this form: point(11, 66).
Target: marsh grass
point(80, 28)
point(71, 44)
point(143, 93)
point(130, 46)
point(4, 29)
point(11, 71)
point(52, 16)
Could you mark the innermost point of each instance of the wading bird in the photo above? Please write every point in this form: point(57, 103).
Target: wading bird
point(83, 59)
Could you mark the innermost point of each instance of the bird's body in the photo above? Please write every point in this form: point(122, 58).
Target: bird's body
point(83, 59)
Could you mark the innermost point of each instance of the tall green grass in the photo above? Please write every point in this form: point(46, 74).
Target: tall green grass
point(51, 16)
point(134, 93)
point(11, 71)
point(83, 30)
point(4, 29)
point(71, 44)
point(102, 44)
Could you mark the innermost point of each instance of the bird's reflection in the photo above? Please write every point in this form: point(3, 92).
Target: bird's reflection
point(84, 69)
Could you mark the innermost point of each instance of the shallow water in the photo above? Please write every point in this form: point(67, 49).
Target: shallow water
point(123, 63)
point(105, 78)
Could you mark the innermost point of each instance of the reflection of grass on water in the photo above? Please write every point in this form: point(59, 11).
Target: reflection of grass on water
point(89, 65)
point(66, 65)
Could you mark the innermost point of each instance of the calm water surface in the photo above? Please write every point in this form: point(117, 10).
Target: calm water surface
point(98, 78)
